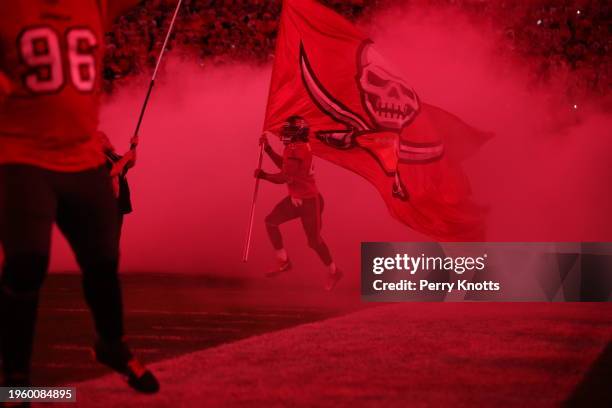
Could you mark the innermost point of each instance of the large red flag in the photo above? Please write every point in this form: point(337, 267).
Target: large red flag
point(368, 119)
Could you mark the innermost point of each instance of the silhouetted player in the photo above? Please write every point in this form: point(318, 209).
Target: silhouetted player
point(304, 200)
point(52, 171)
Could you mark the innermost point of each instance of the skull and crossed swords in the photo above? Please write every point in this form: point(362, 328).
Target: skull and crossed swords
point(389, 101)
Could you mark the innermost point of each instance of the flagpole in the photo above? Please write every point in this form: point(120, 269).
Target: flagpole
point(134, 140)
point(247, 245)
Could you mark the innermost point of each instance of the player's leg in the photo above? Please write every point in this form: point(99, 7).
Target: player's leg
point(311, 211)
point(87, 216)
point(27, 209)
point(310, 215)
point(88, 219)
point(283, 211)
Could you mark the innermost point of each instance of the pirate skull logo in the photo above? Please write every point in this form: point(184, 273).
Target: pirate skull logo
point(389, 100)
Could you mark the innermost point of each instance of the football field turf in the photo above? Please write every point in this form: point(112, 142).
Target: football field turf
point(169, 315)
point(248, 344)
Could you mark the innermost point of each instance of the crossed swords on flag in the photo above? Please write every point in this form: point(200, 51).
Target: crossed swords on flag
point(406, 151)
point(356, 126)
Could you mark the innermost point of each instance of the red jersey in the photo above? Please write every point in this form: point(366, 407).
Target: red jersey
point(52, 50)
point(298, 170)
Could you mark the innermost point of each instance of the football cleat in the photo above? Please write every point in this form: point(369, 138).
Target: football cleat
point(283, 266)
point(119, 358)
point(333, 279)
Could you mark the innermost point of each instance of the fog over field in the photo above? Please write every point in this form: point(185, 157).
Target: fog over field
point(545, 175)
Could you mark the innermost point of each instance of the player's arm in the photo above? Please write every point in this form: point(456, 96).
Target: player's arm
point(276, 158)
point(107, 146)
point(290, 170)
point(126, 162)
point(276, 178)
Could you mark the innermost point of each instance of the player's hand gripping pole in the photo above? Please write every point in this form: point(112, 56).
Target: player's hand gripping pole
point(247, 245)
point(134, 140)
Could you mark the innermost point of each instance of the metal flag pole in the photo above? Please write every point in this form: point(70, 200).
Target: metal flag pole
point(134, 141)
point(247, 245)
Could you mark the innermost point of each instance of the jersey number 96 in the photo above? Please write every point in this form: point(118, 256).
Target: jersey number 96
point(42, 51)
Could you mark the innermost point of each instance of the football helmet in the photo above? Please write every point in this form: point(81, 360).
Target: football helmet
point(294, 129)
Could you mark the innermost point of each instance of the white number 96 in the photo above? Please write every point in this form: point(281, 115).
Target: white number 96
point(41, 50)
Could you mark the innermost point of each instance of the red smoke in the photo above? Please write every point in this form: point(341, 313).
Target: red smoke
point(545, 174)
point(542, 178)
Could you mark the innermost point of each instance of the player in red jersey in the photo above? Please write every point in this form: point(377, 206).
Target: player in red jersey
point(304, 200)
point(52, 171)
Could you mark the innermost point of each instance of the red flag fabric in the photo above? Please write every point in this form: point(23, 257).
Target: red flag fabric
point(368, 119)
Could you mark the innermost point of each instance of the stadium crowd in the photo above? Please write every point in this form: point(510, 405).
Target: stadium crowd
point(567, 39)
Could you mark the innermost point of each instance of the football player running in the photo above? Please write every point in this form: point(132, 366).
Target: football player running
point(52, 171)
point(304, 200)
